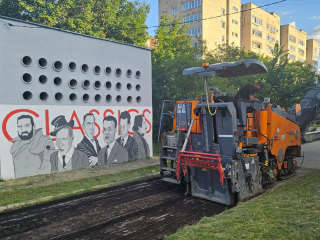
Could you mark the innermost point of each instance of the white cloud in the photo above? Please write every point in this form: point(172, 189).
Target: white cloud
point(315, 17)
point(284, 13)
point(315, 33)
point(293, 24)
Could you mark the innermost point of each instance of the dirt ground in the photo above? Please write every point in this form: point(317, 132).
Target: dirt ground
point(148, 209)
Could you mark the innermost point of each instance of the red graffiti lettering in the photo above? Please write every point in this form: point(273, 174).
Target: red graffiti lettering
point(147, 110)
point(74, 115)
point(106, 111)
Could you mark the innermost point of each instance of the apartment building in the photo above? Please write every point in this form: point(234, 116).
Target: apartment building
point(312, 57)
point(215, 21)
point(294, 40)
point(260, 30)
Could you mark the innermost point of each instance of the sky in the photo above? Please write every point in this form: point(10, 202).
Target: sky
point(303, 14)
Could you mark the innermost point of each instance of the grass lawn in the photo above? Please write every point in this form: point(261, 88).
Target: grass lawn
point(31, 192)
point(290, 211)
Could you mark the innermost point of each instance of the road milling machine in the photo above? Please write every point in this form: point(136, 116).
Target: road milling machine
point(228, 152)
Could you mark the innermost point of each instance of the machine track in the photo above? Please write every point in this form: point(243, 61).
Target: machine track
point(146, 209)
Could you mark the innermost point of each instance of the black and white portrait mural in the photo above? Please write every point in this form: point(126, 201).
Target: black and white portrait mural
point(70, 101)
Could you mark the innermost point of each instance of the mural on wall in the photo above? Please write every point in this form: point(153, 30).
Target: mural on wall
point(30, 151)
point(70, 101)
point(72, 140)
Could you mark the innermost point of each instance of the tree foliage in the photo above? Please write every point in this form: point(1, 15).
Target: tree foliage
point(119, 20)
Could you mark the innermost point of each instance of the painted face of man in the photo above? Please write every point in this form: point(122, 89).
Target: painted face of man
point(144, 126)
point(25, 129)
point(64, 141)
point(124, 127)
point(109, 131)
point(89, 126)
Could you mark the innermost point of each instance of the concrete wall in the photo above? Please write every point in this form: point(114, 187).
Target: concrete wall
point(312, 53)
point(247, 36)
point(298, 50)
point(50, 79)
point(311, 136)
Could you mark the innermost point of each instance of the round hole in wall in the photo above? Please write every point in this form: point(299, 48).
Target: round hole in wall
point(108, 98)
point(27, 78)
point(73, 97)
point(43, 96)
point(58, 97)
point(57, 81)
point(119, 98)
point(97, 70)
point(97, 85)
point(43, 79)
point(129, 73)
point(138, 99)
point(138, 74)
point(118, 72)
point(73, 83)
point(85, 84)
point(129, 86)
point(57, 65)
point(72, 66)
point(42, 62)
point(97, 98)
point(118, 86)
point(108, 70)
point(26, 61)
point(27, 95)
point(85, 97)
point(84, 68)
point(129, 99)
point(138, 87)
point(108, 85)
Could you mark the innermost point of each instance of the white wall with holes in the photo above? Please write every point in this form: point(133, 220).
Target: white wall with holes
point(46, 71)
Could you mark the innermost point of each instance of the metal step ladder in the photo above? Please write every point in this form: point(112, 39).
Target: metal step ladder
point(169, 157)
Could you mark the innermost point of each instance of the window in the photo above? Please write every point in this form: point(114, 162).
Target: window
point(292, 48)
point(269, 48)
point(257, 33)
point(257, 45)
point(223, 11)
point(257, 20)
point(301, 52)
point(222, 24)
point(235, 9)
point(174, 11)
point(194, 31)
point(235, 34)
point(192, 4)
point(292, 38)
point(315, 50)
point(301, 42)
point(234, 21)
point(222, 38)
point(192, 18)
point(271, 28)
point(271, 39)
point(300, 59)
point(315, 58)
point(315, 64)
point(292, 57)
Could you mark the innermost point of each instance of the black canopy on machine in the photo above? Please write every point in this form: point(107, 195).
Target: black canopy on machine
point(229, 69)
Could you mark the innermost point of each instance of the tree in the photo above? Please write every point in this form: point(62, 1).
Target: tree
point(119, 20)
point(173, 53)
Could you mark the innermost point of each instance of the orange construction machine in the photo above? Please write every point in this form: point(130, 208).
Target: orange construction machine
point(228, 152)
